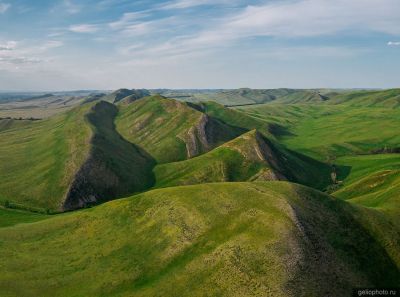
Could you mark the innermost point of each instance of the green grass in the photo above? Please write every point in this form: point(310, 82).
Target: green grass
point(374, 182)
point(246, 158)
point(381, 98)
point(328, 131)
point(114, 167)
point(11, 217)
point(158, 125)
point(38, 160)
point(222, 239)
point(170, 130)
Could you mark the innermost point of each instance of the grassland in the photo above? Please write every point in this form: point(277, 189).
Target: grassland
point(226, 239)
point(249, 157)
point(11, 217)
point(219, 236)
point(329, 131)
point(38, 160)
point(170, 130)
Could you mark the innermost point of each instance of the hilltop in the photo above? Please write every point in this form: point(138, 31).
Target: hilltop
point(273, 237)
point(249, 157)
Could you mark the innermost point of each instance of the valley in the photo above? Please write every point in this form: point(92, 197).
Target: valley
point(243, 192)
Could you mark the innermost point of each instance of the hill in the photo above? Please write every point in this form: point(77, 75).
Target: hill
point(249, 157)
point(274, 237)
point(39, 159)
point(113, 167)
point(120, 94)
point(70, 160)
point(379, 98)
point(170, 130)
point(326, 131)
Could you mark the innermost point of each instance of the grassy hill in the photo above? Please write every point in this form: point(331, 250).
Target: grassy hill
point(380, 98)
point(121, 94)
point(70, 160)
point(326, 131)
point(170, 130)
point(374, 181)
point(248, 157)
point(113, 168)
point(12, 217)
point(227, 239)
point(38, 160)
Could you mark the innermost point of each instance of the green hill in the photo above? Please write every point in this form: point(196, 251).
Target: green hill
point(374, 181)
point(381, 98)
point(39, 160)
point(303, 96)
point(171, 130)
point(249, 157)
point(70, 160)
point(227, 239)
point(121, 94)
point(113, 168)
point(324, 131)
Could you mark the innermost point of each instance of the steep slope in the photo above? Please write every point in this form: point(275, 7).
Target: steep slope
point(237, 118)
point(249, 157)
point(171, 130)
point(70, 160)
point(241, 239)
point(39, 159)
point(114, 167)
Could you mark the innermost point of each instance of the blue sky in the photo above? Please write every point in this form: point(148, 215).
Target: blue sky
point(108, 44)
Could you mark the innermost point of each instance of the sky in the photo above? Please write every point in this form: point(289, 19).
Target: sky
point(50, 45)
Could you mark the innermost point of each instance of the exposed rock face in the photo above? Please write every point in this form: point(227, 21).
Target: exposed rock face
point(207, 134)
point(114, 167)
point(93, 182)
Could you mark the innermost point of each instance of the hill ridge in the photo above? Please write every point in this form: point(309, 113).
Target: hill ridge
point(109, 169)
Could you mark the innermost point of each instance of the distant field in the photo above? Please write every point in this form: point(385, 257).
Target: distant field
point(329, 131)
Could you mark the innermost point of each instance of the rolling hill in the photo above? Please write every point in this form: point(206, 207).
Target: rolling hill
point(171, 130)
point(221, 200)
point(249, 157)
point(70, 160)
point(226, 239)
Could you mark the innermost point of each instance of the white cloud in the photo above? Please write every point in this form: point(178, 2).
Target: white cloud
point(294, 19)
point(393, 43)
point(4, 7)
point(22, 53)
point(84, 28)
point(183, 4)
point(71, 7)
point(8, 46)
point(128, 19)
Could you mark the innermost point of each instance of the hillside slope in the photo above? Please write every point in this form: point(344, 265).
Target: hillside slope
point(121, 94)
point(113, 168)
point(322, 131)
point(171, 130)
point(381, 98)
point(39, 159)
point(70, 160)
point(228, 239)
point(248, 157)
